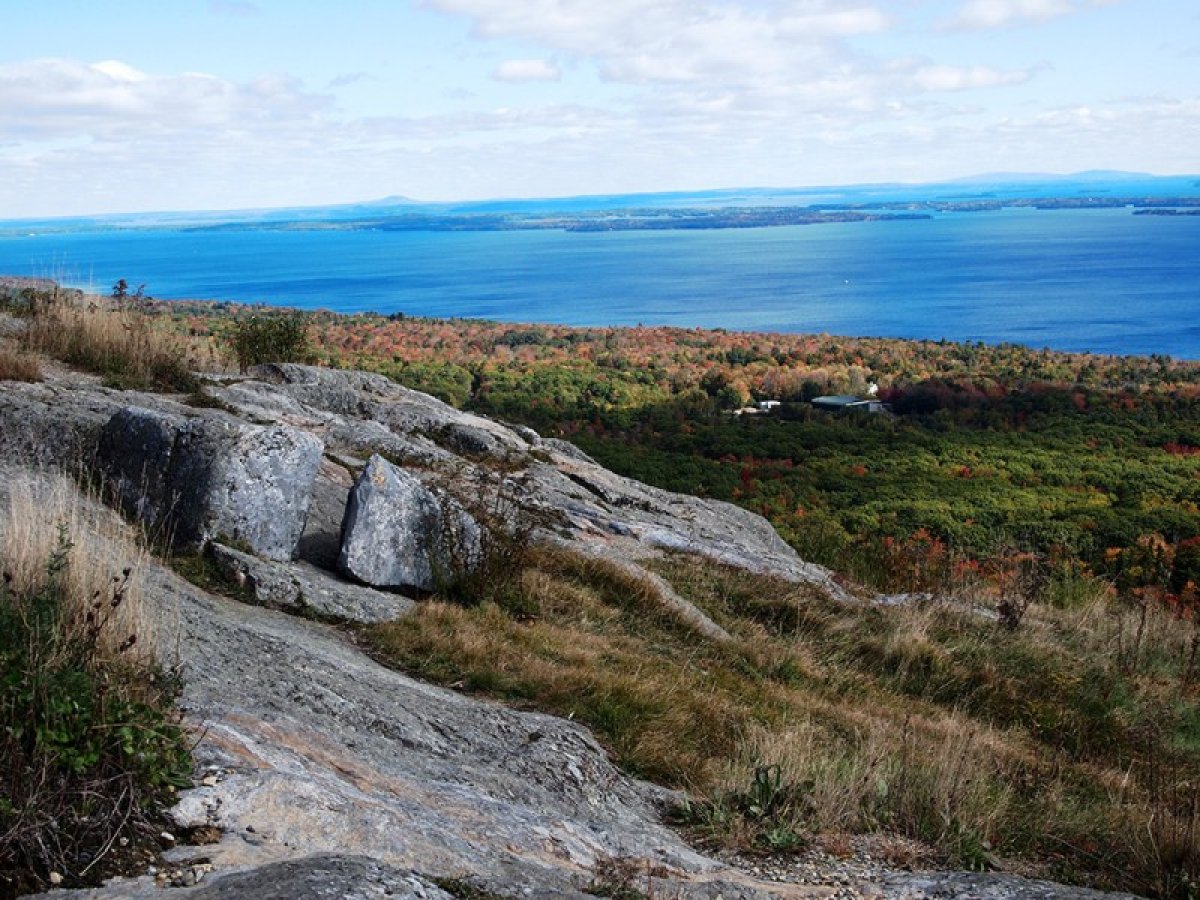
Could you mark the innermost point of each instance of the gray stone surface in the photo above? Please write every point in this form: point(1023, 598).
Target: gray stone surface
point(611, 514)
point(212, 476)
point(320, 877)
point(398, 533)
point(566, 448)
point(316, 749)
point(984, 886)
point(321, 540)
point(304, 589)
point(52, 424)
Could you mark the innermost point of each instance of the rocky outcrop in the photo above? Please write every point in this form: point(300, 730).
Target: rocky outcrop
point(315, 749)
point(546, 484)
point(326, 877)
point(212, 476)
point(397, 533)
point(319, 766)
point(54, 424)
point(544, 487)
point(984, 886)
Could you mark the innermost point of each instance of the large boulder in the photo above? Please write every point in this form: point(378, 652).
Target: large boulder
point(398, 533)
point(206, 477)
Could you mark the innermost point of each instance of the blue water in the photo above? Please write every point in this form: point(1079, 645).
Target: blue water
point(1095, 280)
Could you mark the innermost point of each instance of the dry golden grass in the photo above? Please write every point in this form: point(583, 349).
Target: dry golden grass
point(651, 715)
point(18, 365)
point(127, 347)
point(926, 720)
point(39, 514)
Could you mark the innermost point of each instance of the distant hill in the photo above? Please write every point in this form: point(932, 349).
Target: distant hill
point(557, 211)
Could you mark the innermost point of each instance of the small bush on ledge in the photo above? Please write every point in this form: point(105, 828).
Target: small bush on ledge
point(271, 339)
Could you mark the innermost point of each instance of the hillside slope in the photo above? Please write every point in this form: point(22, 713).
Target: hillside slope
point(325, 773)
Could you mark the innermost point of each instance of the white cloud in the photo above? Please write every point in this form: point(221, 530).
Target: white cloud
point(669, 94)
point(722, 87)
point(118, 71)
point(676, 41)
point(734, 59)
point(527, 70)
point(984, 14)
point(961, 78)
point(834, 22)
point(113, 100)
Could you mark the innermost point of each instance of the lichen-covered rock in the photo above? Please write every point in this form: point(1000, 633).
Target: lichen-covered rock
point(986, 886)
point(398, 533)
point(213, 476)
point(319, 750)
point(51, 424)
point(408, 413)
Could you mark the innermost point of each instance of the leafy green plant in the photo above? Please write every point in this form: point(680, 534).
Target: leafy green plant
point(768, 812)
point(281, 337)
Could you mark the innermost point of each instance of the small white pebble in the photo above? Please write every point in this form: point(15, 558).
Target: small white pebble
point(55, 878)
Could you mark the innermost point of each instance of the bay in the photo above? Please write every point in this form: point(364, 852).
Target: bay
point(1103, 280)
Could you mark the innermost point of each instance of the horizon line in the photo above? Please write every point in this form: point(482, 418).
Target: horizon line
point(998, 178)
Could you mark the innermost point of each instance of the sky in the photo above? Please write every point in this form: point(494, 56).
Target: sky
point(142, 105)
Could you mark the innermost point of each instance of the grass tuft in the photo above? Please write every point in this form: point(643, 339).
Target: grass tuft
point(19, 365)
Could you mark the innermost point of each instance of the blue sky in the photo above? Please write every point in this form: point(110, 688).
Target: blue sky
point(133, 105)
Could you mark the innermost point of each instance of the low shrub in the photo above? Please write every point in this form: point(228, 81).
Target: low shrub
point(273, 338)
